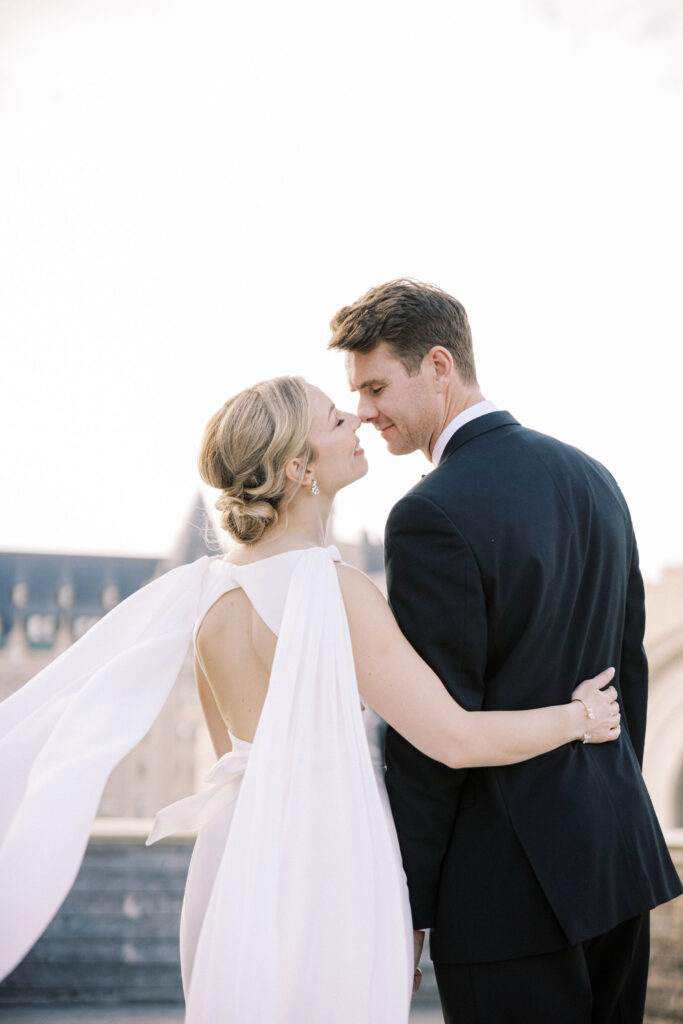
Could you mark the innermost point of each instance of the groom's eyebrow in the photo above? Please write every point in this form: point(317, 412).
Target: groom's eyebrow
point(375, 382)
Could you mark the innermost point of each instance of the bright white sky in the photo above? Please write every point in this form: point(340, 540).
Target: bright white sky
point(190, 189)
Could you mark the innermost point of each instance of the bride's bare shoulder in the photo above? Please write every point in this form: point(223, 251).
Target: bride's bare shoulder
point(356, 587)
point(350, 576)
point(372, 626)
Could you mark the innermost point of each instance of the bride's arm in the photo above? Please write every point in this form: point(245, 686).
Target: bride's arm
point(405, 691)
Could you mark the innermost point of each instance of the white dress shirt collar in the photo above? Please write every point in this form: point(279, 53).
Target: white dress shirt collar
point(474, 411)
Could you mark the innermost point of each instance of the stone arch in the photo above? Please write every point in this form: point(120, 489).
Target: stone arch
point(678, 822)
point(663, 764)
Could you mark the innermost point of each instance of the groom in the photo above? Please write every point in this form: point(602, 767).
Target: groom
point(512, 568)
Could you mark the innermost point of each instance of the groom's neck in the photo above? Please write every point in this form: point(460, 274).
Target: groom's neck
point(458, 398)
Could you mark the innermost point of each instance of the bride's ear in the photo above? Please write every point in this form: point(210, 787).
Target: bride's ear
point(294, 469)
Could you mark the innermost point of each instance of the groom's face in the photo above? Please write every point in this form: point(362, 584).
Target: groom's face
point(402, 406)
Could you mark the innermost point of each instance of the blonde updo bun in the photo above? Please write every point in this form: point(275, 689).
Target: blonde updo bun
point(245, 449)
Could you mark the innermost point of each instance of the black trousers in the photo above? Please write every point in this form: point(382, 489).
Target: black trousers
point(601, 981)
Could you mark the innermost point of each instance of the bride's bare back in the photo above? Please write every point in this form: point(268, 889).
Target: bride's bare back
point(237, 649)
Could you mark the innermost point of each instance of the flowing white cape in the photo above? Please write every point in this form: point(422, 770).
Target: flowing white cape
point(307, 919)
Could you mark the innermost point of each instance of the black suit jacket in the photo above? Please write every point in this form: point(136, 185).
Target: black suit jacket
point(512, 568)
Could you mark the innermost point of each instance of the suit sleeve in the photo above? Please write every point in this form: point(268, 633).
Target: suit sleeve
point(633, 672)
point(436, 594)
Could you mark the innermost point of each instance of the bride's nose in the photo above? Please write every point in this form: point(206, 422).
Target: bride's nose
point(356, 421)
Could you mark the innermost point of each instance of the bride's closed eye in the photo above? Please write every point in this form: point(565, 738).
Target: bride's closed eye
point(340, 421)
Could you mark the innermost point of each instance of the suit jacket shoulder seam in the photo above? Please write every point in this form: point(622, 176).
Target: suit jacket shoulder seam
point(429, 501)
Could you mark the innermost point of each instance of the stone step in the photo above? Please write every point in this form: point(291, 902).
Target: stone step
point(159, 878)
point(667, 931)
point(88, 982)
point(669, 950)
point(132, 903)
point(131, 881)
point(662, 979)
point(103, 950)
point(115, 938)
point(93, 925)
point(112, 856)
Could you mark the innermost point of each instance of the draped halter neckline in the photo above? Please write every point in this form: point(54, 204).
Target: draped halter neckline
point(336, 557)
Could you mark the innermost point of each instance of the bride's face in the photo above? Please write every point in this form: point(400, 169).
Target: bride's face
point(339, 458)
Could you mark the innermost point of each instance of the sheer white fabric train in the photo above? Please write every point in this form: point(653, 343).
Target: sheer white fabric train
point(296, 907)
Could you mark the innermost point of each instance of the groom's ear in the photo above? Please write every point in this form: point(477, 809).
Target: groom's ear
point(440, 362)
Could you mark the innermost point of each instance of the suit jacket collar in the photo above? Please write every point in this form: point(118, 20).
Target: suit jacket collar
point(482, 425)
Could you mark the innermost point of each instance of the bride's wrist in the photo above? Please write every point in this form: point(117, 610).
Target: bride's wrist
point(577, 719)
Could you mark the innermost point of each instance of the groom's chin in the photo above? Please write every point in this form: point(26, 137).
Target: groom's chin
point(397, 445)
point(392, 440)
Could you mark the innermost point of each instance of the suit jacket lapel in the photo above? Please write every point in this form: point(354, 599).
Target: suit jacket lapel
point(482, 425)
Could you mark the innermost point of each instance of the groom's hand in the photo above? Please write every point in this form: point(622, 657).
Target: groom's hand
point(418, 943)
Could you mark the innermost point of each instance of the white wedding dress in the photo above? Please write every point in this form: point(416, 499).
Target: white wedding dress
point(296, 908)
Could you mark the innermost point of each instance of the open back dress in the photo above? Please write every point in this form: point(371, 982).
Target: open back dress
point(296, 908)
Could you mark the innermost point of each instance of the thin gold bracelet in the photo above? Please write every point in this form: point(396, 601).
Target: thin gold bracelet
point(589, 710)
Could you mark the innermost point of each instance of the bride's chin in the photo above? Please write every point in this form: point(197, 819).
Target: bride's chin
point(361, 470)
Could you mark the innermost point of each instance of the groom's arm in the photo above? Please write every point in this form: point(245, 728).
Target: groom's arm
point(436, 594)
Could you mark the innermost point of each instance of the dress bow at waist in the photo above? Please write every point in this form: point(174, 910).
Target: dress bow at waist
point(190, 813)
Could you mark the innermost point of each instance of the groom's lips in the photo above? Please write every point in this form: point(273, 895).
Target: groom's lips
point(383, 430)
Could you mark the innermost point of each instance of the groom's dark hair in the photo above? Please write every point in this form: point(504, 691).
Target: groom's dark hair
point(411, 317)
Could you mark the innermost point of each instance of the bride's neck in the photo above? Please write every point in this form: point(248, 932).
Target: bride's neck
point(301, 524)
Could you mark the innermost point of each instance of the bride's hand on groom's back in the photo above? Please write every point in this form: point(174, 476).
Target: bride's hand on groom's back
point(602, 717)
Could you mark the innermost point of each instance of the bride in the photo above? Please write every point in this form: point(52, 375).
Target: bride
point(296, 907)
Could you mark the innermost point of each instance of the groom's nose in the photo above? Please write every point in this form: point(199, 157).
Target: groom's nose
point(366, 409)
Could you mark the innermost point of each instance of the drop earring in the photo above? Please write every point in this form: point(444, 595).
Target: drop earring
point(314, 487)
